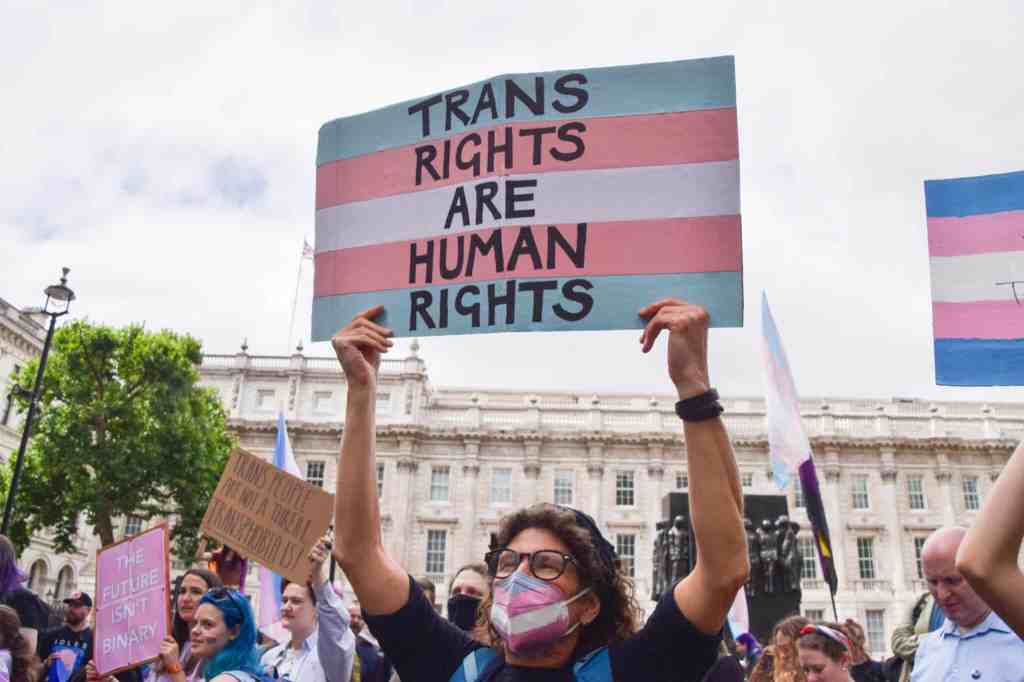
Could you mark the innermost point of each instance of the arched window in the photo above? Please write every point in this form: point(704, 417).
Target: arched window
point(37, 576)
point(65, 584)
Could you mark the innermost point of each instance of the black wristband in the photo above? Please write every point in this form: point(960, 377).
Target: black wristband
point(700, 407)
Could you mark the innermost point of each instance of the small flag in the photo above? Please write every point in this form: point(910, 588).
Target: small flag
point(270, 582)
point(788, 447)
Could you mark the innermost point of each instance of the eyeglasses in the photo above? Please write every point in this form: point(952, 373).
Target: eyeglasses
point(546, 564)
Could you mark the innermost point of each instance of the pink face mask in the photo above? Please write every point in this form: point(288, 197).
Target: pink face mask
point(529, 613)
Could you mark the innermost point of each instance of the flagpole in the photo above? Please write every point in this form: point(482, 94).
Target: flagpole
point(295, 301)
point(835, 613)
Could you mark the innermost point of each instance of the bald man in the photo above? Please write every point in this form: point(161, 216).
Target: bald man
point(974, 644)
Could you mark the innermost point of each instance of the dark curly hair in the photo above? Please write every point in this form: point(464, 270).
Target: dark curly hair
point(619, 615)
point(24, 664)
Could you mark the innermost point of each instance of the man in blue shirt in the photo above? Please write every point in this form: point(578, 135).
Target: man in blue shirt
point(973, 644)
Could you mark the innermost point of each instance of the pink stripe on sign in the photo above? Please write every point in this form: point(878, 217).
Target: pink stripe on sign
point(612, 142)
point(708, 244)
point(980, 319)
point(984, 233)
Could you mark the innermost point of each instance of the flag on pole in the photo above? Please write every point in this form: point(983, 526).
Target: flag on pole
point(788, 446)
point(270, 582)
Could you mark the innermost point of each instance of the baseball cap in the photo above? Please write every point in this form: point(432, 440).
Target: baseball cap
point(79, 599)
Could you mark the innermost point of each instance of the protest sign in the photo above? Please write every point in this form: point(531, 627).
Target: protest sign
point(268, 515)
point(563, 200)
point(976, 245)
point(133, 602)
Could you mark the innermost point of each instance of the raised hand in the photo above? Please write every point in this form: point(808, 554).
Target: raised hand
point(317, 556)
point(687, 343)
point(359, 346)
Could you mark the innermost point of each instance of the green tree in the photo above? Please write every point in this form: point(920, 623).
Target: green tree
point(122, 427)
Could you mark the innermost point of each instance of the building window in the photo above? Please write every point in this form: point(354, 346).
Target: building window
point(860, 492)
point(37, 576)
point(915, 492)
point(265, 399)
point(625, 545)
point(808, 558)
point(874, 619)
point(437, 545)
point(132, 525)
point(918, 548)
point(624, 490)
point(747, 479)
point(380, 481)
point(65, 584)
point(866, 558)
point(315, 473)
point(439, 476)
point(815, 615)
point(501, 486)
point(798, 494)
point(682, 481)
point(384, 402)
point(322, 401)
point(972, 500)
point(565, 480)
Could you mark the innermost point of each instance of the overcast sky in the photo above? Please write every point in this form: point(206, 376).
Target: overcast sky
point(166, 154)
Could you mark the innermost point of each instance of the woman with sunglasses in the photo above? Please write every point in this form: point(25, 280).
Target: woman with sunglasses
point(194, 584)
point(561, 604)
point(824, 653)
point(224, 635)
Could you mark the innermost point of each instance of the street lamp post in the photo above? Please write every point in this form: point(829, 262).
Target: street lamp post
point(61, 296)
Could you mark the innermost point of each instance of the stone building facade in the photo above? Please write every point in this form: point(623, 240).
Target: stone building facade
point(451, 462)
point(52, 576)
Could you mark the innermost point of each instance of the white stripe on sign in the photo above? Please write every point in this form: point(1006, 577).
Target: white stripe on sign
point(682, 191)
point(978, 277)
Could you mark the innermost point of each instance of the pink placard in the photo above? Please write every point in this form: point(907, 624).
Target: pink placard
point(132, 600)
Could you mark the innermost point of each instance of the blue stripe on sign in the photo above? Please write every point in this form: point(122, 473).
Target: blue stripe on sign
point(979, 362)
point(959, 197)
point(617, 299)
point(613, 91)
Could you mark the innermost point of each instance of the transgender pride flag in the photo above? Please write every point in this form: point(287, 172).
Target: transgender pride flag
point(563, 200)
point(270, 583)
point(976, 244)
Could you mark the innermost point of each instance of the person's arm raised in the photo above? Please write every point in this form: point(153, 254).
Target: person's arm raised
point(379, 582)
point(716, 498)
point(988, 555)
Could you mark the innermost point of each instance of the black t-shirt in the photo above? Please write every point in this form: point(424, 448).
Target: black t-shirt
point(32, 612)
point(424, 647)
point(74, 649)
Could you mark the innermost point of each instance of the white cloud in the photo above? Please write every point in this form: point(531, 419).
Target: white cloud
point(166, 155)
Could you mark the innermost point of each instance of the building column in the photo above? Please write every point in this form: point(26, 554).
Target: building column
point(467, 521)
point(531, 468)
point(404, 523)
point(944, 476)
point(891, 520)
point(595, 473)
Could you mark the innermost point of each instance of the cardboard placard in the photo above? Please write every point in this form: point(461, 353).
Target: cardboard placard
point(133, 600)
point(556, 201)
point(268, 515)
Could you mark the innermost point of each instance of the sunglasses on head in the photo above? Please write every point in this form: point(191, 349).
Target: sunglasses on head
point(221, 593)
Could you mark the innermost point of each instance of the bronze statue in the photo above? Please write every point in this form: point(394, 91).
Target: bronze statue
point(678, 550)
point(790, 554)
point(659, 564)
point(754, 555)
point(768, 540)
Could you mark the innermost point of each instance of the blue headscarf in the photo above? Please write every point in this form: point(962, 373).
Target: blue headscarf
point(240, 653)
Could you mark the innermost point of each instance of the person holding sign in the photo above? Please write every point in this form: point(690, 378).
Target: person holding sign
point(988, 556)
point(322, 647)
point(561, 604)
point(224, 635)
point(194, 584)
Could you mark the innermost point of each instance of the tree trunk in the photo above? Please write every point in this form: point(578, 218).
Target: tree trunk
point(105, 528)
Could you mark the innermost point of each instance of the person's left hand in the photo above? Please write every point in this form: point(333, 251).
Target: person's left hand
point(687, 343)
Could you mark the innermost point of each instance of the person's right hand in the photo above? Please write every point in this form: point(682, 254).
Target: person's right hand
point(169, 654)
point(359, 346)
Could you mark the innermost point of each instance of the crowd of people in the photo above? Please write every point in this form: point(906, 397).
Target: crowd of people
point(551, 601)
